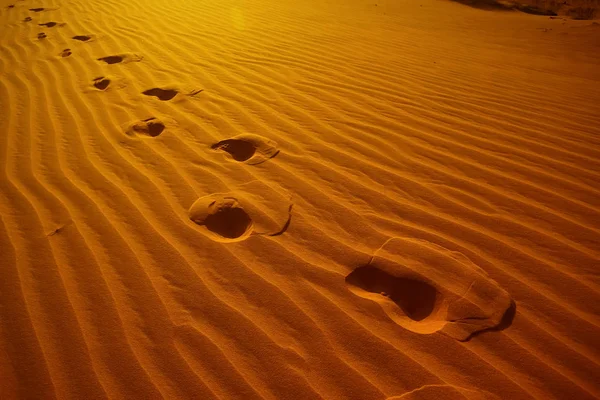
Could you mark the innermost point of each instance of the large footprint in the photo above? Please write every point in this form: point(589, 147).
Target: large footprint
point(426, 288)
point(254, 209)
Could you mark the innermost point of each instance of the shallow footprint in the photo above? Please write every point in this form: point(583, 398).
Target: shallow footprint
point(255, 209)
point(251, 149)
point(42, 35)
point(65, 53)
point(121, 58)
point(151, 127)
point(426, 288)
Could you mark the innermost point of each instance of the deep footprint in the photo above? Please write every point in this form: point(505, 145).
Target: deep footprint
point(426, 288)
point(66, 53)
point(240, 150)
point(49, 24)
point(223, 216)
point(37, 9)
point(152, 127)
point(161, 94)
point(417, 299)
point(42, 35)
point(252, 149)
point(101, 83)
point(82, 38)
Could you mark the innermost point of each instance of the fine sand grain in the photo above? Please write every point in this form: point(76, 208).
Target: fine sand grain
point(307, 199)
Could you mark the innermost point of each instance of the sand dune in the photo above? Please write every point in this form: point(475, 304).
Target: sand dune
point(297, 200)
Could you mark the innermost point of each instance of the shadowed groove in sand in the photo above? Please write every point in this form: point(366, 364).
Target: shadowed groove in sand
point(416, 298)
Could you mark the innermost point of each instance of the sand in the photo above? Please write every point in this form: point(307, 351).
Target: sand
point(310, 199)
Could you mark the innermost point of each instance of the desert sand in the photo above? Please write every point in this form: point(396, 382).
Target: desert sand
point(326, 199)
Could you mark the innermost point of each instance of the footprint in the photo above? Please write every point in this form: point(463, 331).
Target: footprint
point(251, 149)
point(49, 24)
point(255, 209)
point(65, 53)
point(166, 94)
point(101, 83)
point(42, 35)
point(121, 58)
point(37, 9)
point(27, 19)
point(82, 38)
point(162, 94)
point(223, 216)
point(152, 127)
point(426, 288)
point(416, 298)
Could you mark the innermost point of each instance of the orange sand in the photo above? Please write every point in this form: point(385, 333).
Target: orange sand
point(269, 199)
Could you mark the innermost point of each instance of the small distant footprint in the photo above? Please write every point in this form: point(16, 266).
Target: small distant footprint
point(65, 53)
point(27, 19)
point(426, 288)
point(251, 149)
point(82, 38)
point(50, 24)
point(42, 35)
point(121, 58)
point(40, 9)
point(152, 127)
point(101, 83)
point(166, 94)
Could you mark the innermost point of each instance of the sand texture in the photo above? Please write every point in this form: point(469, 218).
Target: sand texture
point(302, 199)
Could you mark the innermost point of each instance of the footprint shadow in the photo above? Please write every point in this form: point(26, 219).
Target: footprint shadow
point(161, 94)
point(168, 93)
point(118, 58)
point(417, 299)
point(101, 83)
point(247, 148)
point(82, 38)
point(149, 127)
point(112, 59)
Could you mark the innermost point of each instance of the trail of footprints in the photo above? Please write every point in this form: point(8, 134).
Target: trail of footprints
point(421, 286)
